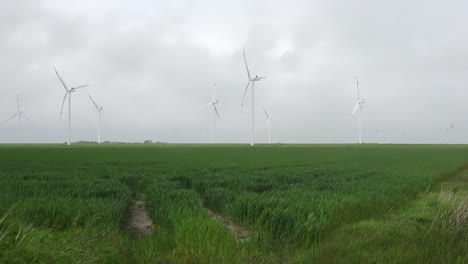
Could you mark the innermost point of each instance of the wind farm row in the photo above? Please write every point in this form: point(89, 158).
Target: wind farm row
point(214, 103)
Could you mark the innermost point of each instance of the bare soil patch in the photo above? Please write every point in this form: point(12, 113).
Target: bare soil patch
point(140, 223)
point(240, 233)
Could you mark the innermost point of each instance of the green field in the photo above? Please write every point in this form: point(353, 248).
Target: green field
point(298, 203)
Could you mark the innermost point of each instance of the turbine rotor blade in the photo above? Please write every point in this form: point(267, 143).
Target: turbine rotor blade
point(357, 86)
point(10, 118)
point(205, 106)
point(17, 103)
point(63, 102)
point(214, 93)
point(60, 78)
point(246, 66)
point(79, 87)
point(216, 110)
point(245, 92)
point(97, 107)
point(355, 108)
point(264, 110)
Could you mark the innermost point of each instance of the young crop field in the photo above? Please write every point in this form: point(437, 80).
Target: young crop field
point(233, 204)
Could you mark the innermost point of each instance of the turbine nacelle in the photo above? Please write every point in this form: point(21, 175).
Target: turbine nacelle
point(256, 78)
point(267, 115)
point(73, 89)
point(361, 103)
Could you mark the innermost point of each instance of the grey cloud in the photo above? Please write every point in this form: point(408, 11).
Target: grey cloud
point(152, 66)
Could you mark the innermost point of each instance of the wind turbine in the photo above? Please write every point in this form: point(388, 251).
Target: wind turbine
point(100, 109)
point(250, 81)
point(19, 113)
point(68, 92)
point(213, 103)
point(359, 104)
point(452, 126)
point(268, 124)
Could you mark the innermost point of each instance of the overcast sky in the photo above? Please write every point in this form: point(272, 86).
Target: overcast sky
point(152, 65)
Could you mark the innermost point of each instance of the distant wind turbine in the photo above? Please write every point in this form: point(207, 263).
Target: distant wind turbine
point(213, 103)
point(68, 92)
point(452, 126)
point(359, 104)
point(250, 80)
point(268, 124)
point(100, 109)
point(19, 113)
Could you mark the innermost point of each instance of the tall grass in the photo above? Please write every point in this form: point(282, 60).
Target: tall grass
point(4, 229)
point(452, 213)
point(293, 197)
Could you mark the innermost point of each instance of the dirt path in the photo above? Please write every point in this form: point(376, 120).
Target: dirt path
point(140, 223)
point(240, 233)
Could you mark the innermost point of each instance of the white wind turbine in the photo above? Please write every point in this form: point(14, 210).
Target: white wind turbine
point(100, 109)
point(213, 103)
point(19, 113)
point(268, 124)
point(359, 104)
point(250, 80)
point(68, 92)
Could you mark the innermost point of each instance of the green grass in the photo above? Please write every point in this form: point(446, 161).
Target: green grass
point(328, 203)
point(431, 229)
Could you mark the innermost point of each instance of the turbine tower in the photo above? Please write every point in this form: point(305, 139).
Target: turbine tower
point(250, 81)
point(19, 113)
point(68, 92)
point(359, 104)
point(213, 103)
point(100, 109)
point(268, 124)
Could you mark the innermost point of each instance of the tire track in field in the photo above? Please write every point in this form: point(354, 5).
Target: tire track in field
point(240, 233)
point(140, 223)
